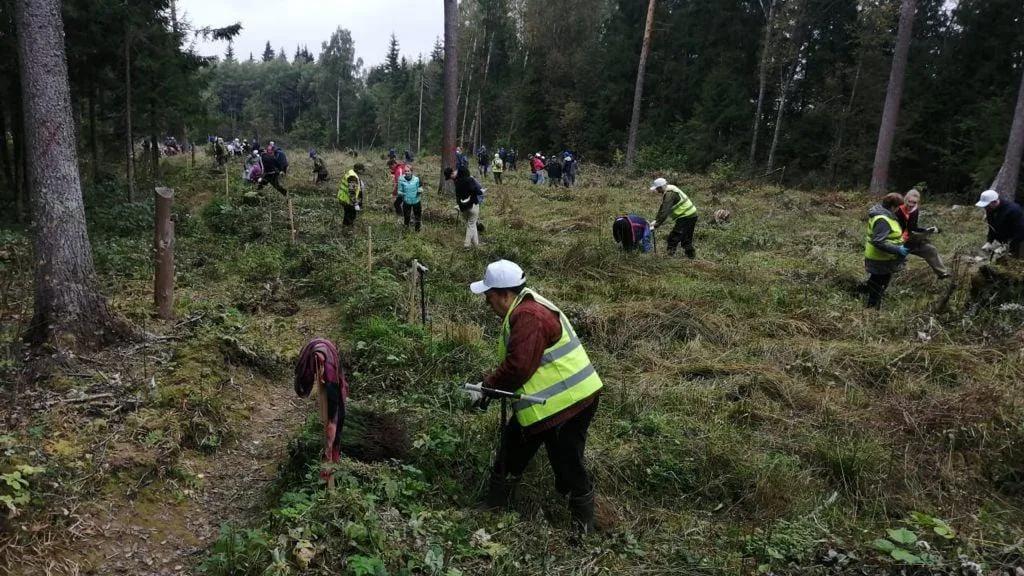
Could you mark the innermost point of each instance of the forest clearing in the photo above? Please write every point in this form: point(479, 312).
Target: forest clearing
point(756, 414)
point(667, 257)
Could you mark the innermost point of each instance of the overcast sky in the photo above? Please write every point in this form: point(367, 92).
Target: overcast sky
point(287, 23)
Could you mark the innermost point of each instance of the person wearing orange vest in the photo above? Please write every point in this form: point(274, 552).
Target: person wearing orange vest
point(543, 358)
point(884, 251)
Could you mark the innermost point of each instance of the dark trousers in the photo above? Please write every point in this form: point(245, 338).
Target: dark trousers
point(877, 283)
point(415, 211)
point(350, 215)
point(563, 443)
point(682, 233)
point(399, 201)
point(497, 177)
point(272, 179)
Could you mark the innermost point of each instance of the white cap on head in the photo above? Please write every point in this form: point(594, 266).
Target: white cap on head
point(658, 184)
point(500, 274)
point(987, 197)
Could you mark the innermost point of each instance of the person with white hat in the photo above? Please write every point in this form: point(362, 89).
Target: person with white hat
point(677, 206)
point(1005, 224)
point(541, 356)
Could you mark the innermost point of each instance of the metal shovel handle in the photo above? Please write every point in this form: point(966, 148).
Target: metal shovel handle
point(495, 393)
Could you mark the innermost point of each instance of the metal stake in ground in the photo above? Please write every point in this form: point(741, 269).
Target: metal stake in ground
point(422, 271)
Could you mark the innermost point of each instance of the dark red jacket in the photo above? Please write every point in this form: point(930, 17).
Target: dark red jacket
point(533, 329)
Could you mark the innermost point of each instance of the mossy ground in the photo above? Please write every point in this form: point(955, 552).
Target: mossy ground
point(755, 414)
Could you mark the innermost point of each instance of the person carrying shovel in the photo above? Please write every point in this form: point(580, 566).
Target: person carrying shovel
point(544, 366)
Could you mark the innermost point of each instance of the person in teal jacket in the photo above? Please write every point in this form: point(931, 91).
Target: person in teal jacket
point(409, 189)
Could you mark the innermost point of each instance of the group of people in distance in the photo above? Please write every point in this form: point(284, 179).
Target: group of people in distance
point(893, 233)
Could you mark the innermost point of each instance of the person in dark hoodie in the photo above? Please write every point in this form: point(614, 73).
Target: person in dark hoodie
point(1005, 224)
point(554, 170)
point(271, 171)
point(884, 251)
point(468, 194)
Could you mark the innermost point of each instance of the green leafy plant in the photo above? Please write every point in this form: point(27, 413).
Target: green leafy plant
point(14, 491)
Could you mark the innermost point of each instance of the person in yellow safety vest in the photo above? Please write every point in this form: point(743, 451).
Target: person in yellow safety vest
point(350, 194)
point(677, 206)
point(884, 251)
point(541, 356)
point(497, 168)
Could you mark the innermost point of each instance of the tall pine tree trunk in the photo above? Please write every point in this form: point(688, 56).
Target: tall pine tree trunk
point(129, 139)
point(70, 312)
point(762, 82)
point(1008, 177)
point(5, 156)
point(94, 152)
point(18, 139)
point(638, 91)
point(451, 85)
point(893, 95)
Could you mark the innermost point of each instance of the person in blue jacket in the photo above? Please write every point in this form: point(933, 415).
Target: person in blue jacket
point(410, 190)
point(633, 233)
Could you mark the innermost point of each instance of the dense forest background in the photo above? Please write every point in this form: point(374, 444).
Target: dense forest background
point(556, 74)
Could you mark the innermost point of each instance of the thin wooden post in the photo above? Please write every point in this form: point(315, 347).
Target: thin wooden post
point(163, 241)
point(291, 218)
point(369, 250)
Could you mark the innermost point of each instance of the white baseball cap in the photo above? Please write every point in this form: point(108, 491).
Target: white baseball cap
point(658, 184)
point(500, 274)
point(987, 197)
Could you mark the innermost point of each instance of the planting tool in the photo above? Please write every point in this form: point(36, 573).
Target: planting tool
point(494, 393)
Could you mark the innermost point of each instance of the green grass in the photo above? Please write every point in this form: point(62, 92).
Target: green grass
point(755, 415)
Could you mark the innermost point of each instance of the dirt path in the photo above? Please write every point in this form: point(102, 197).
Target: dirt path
point(166, 531)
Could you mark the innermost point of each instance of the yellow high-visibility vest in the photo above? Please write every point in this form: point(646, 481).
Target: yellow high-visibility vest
point(684, 207)
point(565, 375)
point(895, 237)
point(343, 195)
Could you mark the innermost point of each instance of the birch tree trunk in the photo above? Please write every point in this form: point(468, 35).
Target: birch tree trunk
point(70, 312)
point(638, 92)
point(762, 81)
point(893, 95)
point(1008, 177)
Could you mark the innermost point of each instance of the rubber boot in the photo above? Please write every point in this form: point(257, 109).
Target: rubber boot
point(581, 510)
point(501, 493)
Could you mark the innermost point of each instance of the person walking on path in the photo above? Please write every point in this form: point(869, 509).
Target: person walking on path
point(396, 169)
point(410, 190)
point(460, 159)
point(677, 206)
point(915, 238)
point(884, 251)
point(350, 194)
point(1005, 224)
point(541, 356)
point(468, 194)
point(483, 161)
point(497, 168)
